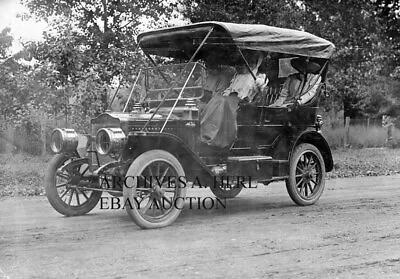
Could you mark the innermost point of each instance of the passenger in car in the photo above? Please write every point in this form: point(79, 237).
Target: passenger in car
point(243, 83)
point(218, 126)
point(218, 79)
point(266, 92)
point(300, 86)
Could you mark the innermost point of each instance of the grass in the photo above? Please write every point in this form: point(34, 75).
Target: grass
point(22, 175)
point(360, 137)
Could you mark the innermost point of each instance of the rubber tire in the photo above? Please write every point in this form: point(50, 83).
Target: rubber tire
point(53, 196)
point(291, 181)
point(135, 169)
point(221, 194)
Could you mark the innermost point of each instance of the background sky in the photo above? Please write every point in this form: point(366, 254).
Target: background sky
point(21, 30)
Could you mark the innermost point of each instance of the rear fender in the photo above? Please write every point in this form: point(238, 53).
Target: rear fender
point(315, 138)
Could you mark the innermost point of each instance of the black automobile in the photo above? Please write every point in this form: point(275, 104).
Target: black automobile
point(167, 138)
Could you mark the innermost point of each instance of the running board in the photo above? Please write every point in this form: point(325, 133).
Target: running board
point(249, 158)
point(251, 167)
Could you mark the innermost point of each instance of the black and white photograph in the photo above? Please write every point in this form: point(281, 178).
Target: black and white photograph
point(199, 139)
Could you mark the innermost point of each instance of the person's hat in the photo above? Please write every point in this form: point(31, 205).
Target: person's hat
point(301, 65)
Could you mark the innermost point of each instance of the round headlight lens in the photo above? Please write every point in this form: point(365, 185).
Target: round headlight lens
point(103, 142)
point(109, 140)
point(56, 141)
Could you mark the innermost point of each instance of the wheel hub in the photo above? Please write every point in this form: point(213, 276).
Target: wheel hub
point(75, 179)
point(157, 192)
point(307, 175)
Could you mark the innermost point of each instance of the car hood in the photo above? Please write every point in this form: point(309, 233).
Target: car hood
point(119, 117)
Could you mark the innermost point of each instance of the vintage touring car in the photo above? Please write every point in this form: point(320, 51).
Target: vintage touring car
point(164, 129)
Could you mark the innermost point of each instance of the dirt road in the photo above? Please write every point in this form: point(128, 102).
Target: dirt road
point(354, 231)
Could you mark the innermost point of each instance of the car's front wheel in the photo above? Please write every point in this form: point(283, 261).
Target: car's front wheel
point(62, 180)
point(307, 173)
point(154, 189)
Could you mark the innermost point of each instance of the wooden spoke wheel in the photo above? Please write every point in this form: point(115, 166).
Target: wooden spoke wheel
point(306, 180)
point(154, 194)
point(62, 180)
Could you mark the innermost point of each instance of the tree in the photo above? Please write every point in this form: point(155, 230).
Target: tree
point(283, 13)
point(364, 50)
point(102, 31)
point(11, 97)
point(388, 11)
point(91, 46)
point(17, 89)
point(5, 42)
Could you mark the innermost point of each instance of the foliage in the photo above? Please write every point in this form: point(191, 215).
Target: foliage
point(14, 82)
point(90, 46)
point(94, 35)
point(396, 73)
point(388, 13)
point(267, 12)
point(5, 42)
point(365, 42)
point(362, 51)
point(88, 49)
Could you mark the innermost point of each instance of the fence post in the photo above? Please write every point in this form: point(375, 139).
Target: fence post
point(43, 124)
point(389, 131)
point(346, 131)
point(10, 138)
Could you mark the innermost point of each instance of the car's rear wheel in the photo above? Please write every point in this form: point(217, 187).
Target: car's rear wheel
point(62, 181)
point(307, 173)
point(154, 189)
